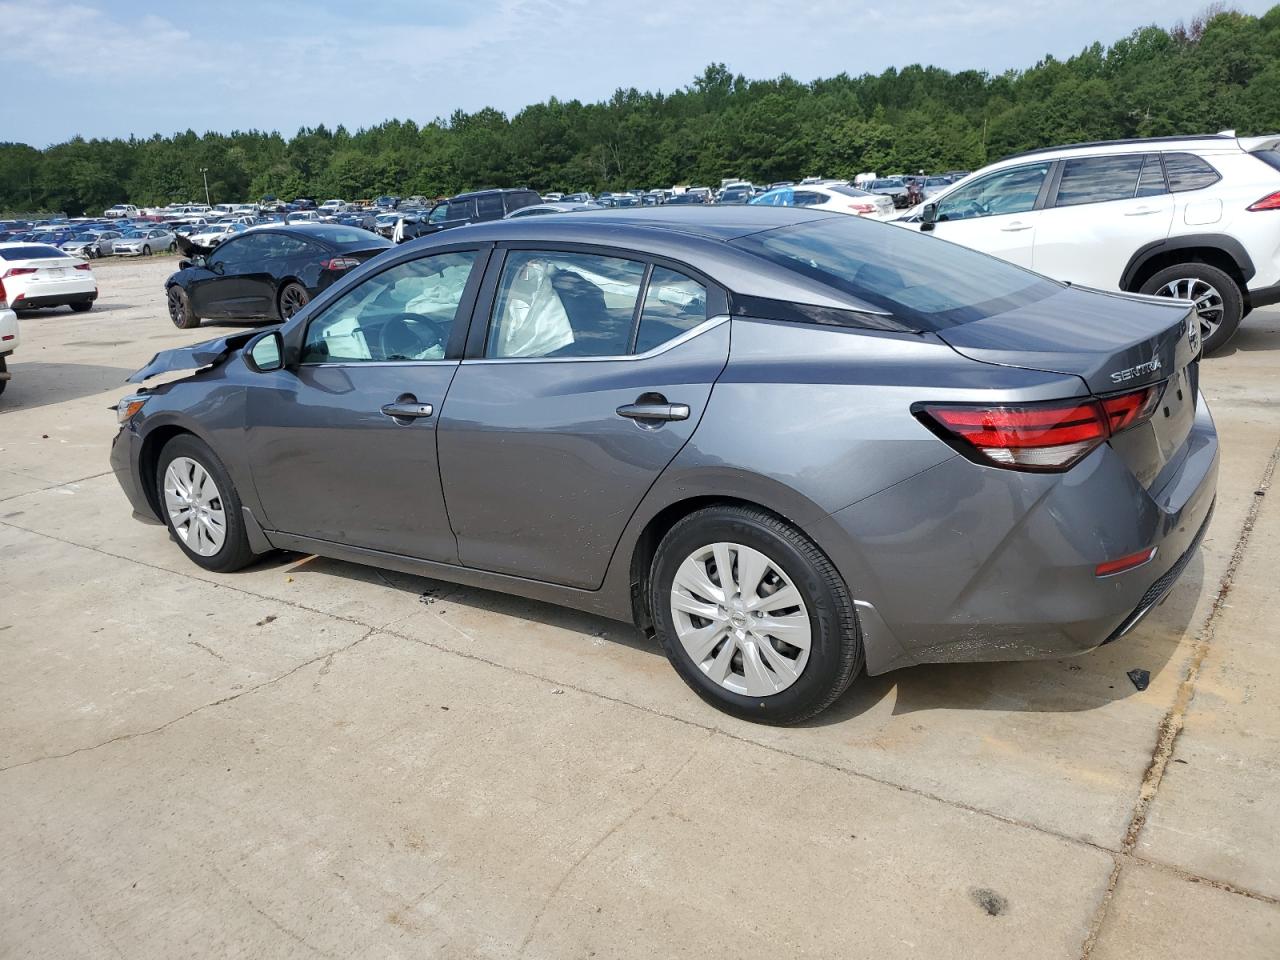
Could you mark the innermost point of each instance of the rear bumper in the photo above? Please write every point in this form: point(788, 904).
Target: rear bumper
point(971, 563)
point(1264, 296)
point(55, 300)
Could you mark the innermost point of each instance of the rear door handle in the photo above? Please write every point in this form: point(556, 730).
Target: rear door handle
point(1140, 212)
point(404, 410)
point(654, 411)
point(1015, 227)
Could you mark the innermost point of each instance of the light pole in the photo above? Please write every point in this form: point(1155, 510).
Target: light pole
point(204, 172)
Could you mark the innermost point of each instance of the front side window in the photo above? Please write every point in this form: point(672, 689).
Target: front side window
point(1186, 172)
point(1099, 179)
point(673, 304)
point(404, 313)
point(240, 250)
point(1004, 192)
point(439, 213)
point(553, 304)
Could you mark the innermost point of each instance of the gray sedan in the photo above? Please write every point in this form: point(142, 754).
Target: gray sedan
point(792, 446)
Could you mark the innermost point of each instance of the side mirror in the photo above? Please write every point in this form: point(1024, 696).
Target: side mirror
point(183, 264)
point(928, 216)
point(265, 352)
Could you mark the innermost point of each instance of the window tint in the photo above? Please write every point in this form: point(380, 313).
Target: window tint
point(1003, 192)
point(807, 198)
point(1270, 157)
point(515, 201)
point(564, 305)
point(1186, 171)
point(30, 253)
point(405, 313)
point(673, 304)
point(923, 284)
point(240, 250)
point(1151, 180)
point(462, 209)
point(1098, 179)
point(489, 207)
point(281, 245)
point(439, 213)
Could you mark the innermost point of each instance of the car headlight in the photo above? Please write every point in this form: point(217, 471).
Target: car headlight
point(127, 407)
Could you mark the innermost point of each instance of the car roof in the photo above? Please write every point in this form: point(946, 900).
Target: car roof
point(479, 193)
point(1212, 141)
point(611, 227)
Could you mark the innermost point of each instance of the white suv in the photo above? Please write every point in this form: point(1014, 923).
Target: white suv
point(1194, 218)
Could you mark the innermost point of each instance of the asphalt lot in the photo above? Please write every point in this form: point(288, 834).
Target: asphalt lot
point(311, 758)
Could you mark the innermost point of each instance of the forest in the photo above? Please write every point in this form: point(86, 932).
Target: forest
point(1220, 71)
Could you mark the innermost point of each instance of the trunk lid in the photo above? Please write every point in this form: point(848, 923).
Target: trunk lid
point(1114, 343)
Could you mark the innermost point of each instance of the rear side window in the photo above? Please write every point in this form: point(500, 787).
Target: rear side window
point(516, 201)
point(489, 207)
point(808, 198)
point(673, 304)
point(1099, 179)
point(919, 281)
point(1270, 157)
point(33, 252)
point(1186, 172)
point(559, 304)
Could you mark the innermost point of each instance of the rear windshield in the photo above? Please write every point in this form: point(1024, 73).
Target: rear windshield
point(847, 191)
point(34, 252)
point(1270, 157)
point(926, 283)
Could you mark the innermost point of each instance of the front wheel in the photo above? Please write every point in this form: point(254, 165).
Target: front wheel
point(180, 311)
point(146, 251)
point(4, 368)
point(1218, 299)
point(200, 506)
point(753, 615)
point(173, 247)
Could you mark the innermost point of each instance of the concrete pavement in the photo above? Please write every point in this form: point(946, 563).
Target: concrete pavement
point(315, 758)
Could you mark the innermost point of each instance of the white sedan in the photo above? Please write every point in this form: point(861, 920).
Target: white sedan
point(215, 233)
point(40, 275)
point(8, 338)
point(835, 197)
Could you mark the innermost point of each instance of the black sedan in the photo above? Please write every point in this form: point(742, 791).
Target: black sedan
point(267, 272)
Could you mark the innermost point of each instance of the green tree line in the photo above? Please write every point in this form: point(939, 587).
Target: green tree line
point(1220, 71)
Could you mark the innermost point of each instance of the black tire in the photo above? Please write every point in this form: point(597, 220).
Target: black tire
point(235, 551)
point(83, 306)
point(293, 297)
point(146, 249)
point(1230, 294)
point(173, 247)
point(4, 366)
point(180, 312)
point(836, 653)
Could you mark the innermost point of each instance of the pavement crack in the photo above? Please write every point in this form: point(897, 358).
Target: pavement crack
point(252, 904)
point(1172, 722)
point(123, 737)
point(554, 892)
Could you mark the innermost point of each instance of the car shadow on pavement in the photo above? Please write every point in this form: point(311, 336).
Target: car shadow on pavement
point(1258, 331)
point(38, 384)
point(1068, 685)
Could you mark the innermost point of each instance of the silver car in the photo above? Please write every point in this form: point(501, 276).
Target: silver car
point(790, 445)
point(145, 242)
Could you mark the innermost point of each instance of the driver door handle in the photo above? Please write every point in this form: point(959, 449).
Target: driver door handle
point(654, 411)
point(406, 410)
point(1140, 211)
point(1015, 226)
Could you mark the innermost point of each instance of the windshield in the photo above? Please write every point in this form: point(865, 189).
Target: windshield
point(885, 184)
point(924, 282)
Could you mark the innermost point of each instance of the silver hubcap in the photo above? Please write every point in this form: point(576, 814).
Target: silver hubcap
point(741, 619)
point(195, 506)
point(1204, 295)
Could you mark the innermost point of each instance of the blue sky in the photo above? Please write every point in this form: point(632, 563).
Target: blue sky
point(115, 67)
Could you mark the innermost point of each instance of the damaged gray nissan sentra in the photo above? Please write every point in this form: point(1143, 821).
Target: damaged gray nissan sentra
point(793, 445)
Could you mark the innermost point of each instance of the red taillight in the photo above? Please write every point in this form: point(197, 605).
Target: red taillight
point(83, 266)
point(18, 271)
point(1271, 202)
point(862, 208)
point(1121, 564)
point(1037, 436)
point(340, 263)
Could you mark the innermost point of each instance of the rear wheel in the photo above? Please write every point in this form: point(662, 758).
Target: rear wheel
point(293, 298)
point(84, 306)
point(1218, 299)
point(180, 309)
point(753, 615)
point(200, 506)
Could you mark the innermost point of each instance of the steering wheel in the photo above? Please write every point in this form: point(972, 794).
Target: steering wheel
point(408, 336)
